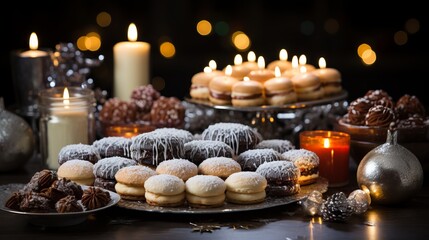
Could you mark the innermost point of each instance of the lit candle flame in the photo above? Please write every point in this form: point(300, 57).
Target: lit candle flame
point(283, 55)
point(34, 42)
point(66, 97)
point(326, 143)
point(238, 59)
point(295, 62)
point(302, 69)
point(212, 64)
point(132, 32)
point(246, 79)
point(228, 70)
point(277, 72)
point(302, 59)
point(261, 62)
point(207, 69)
point(251, 56)
point(322, 63)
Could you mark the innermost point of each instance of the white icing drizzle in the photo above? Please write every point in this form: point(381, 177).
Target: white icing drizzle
point(302, 157)
point(157, 145)
point(280, 145)
point(279, 170)
point(232, 134)
point(107, 167)
point(78, 151)
point(255, 157)
point(185, 135)
point(207, 148)
point(112, 144)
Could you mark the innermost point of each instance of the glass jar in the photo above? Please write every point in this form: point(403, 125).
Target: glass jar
point(67, 116)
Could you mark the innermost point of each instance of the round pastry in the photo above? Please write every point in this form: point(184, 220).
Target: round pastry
point(380, 116)
point(130, 181)
point(167, 112)
point(307, 162)
point(219, 166)
point(357, 110)
point(183, 135)
point(200, 84)
point(245, 188)
point(78, 151)
point(415, 121)
point(14, 201)
point(279, 91)
point(165, 190)
point(79, 171)
point(106, 168)
point(408, 106)
point(182, 168)
point(36, 202)
point(68, 204)
point(376, 95)
point(220, 88)
point(199, 150)
point(330, 78)
point(143, 96)
point(238, 136)
point(307, 86)
point(205, 191)
point(282, 178)
point(94, 197)
point(261, 75)
point(113, 147)
point(252, 158)
point(41, 180)
point(279, 145)
point(247, 94)
point(151, 148)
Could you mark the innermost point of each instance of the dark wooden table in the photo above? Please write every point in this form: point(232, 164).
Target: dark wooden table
point(409, 220)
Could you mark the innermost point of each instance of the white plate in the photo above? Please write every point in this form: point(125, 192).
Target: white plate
point(321, 185)
point(51, 219)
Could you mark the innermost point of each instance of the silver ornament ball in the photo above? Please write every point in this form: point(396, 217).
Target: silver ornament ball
point(391, 173)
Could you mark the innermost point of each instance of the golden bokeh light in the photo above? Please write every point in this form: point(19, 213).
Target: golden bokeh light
point(80, 43)
point(412, 26)
point(167, 49)
point(369, 57)
point(204, 27)
point(362, 48)
point(103, 19)
point(240, 41)
point(400, 38)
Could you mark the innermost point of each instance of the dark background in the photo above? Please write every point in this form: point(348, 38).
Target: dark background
point(271, 26)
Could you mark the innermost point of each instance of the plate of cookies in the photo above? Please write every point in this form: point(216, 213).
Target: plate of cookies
point(51, 202)
point(321, 184)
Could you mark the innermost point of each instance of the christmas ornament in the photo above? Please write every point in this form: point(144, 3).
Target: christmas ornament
point(16, 140)
point(390, 172)
point(336, 208)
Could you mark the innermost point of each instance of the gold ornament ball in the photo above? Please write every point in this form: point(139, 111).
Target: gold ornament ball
point(390, 173)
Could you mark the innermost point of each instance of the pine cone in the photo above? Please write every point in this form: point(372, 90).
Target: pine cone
point(336, 208)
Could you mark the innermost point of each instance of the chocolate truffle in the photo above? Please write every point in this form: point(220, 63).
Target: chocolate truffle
point(94, 197)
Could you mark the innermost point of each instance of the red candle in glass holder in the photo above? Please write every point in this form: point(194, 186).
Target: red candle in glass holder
point(333, 150)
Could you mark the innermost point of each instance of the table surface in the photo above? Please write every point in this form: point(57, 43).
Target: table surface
point(409, 220)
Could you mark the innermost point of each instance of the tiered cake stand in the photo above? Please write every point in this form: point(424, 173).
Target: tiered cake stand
point(272, 122)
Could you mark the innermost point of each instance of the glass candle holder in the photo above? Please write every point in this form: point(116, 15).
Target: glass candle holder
point(66, 117)
point(333, 150)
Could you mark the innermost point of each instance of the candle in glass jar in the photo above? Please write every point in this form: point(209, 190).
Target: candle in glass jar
point(66, 119)
point(131, 64)
point(333, 149)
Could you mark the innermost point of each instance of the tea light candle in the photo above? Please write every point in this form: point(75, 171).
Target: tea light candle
point(66, 119)
point(329, 77)
point(333, 150)
point(251, 61)
point(294, 70)
point(131, 64)
point(282, 63)
point(238, 70)
point(262, 74)
point(303, 64)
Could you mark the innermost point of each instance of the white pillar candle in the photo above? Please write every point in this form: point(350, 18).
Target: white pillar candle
point(131, 65)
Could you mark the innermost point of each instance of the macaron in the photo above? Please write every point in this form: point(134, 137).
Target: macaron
point(220, 88)
point(307, 86)
point(279, 91)
point(247, 94)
